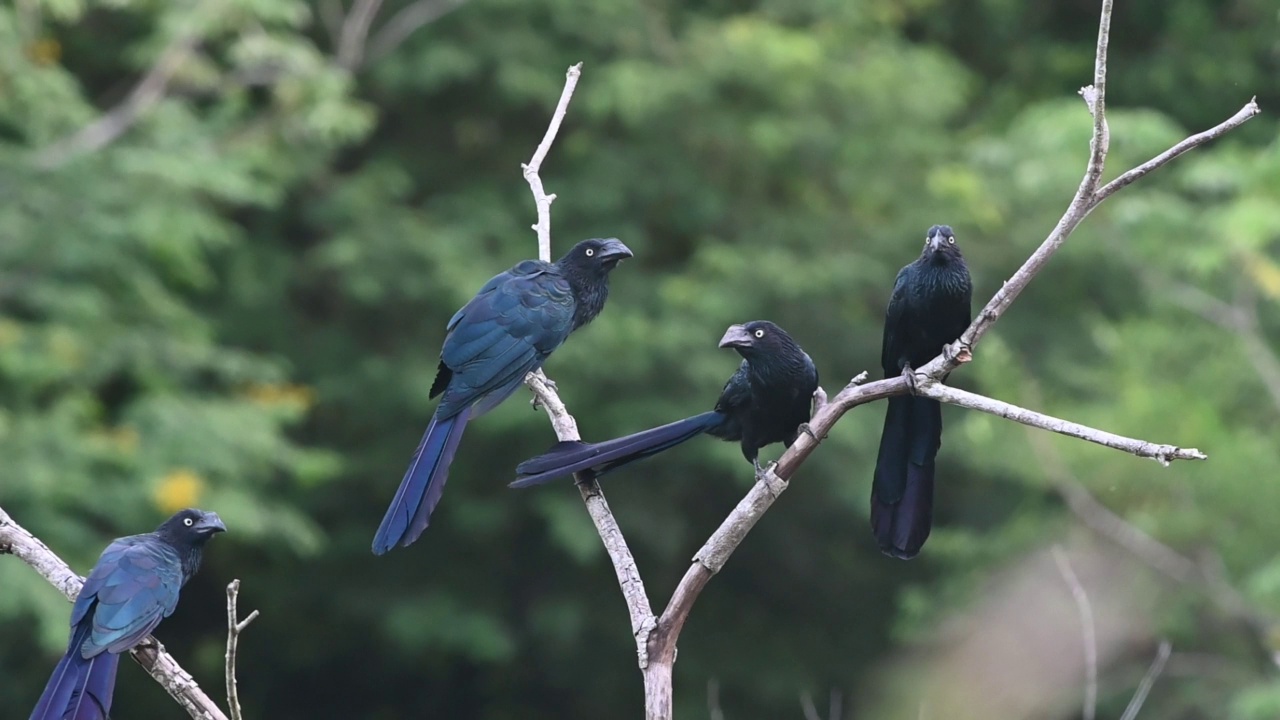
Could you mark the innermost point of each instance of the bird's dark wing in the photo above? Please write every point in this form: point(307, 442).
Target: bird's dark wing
point(891, 348)
point(130, 590)
point(508, 329)
point(734, 403)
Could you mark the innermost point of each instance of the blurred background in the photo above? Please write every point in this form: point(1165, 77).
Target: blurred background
point(232, 231)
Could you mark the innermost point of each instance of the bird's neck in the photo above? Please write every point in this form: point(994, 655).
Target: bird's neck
point(189, 555)
point(590, 291)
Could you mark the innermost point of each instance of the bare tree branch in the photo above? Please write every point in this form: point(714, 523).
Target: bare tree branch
point(235, 626)
point(1162, 454)
point(144, 96)
point(566, 428)
point(1087, 631)
point(531, 168)
point(355, 28)
point(150, 654)
point(657, 660)
point(1144, 687)
point(406, 22)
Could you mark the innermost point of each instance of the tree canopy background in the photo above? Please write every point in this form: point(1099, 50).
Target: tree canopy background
point(238, 302)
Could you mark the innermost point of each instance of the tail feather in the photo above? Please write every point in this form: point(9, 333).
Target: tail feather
point(902, 492)
point(79, 689)
point(423, 483)
point(569, 457)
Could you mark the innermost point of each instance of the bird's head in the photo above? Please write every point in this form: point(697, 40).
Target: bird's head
point(940, 244)
point(758, 337)
point(191, 527)
point(597, 256)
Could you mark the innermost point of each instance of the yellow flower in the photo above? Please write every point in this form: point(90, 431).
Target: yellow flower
point(299, 396)
point(45, 51)
point(179, 489)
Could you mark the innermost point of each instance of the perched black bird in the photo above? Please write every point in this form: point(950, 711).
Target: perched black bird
point(132, 588)
point(766, 401)
point(507, 331)
point(930, 307)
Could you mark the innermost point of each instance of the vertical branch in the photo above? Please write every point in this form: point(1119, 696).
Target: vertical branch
point(566, 428)
point(531, 168)
point(235, 626)
point(1087, 631)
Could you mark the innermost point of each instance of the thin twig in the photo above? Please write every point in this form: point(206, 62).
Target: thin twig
point(714, 711)
point(235, 626)
point(1162, 454)
point(1087, 631)
point(1148, 680)
point(807, 706)
point(144, 96)
point(406, 22)
point(531, 168)
point(150, 654)
point(355, 28)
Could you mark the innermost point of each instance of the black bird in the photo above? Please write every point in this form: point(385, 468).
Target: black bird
point(930, 307)
point(130, 590)
point(766, 401)
point(507, 331)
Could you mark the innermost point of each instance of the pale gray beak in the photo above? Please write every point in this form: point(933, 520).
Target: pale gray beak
point(613, 249)
point(737, 336)
point(210, 524)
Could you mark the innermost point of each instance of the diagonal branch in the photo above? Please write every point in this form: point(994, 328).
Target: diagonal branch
point(150, 654)
point(406, 22)
point(144, 96)
point(355, 28)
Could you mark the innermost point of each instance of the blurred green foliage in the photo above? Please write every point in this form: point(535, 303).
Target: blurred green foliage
point(238, 299)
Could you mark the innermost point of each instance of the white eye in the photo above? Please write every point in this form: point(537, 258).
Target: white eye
point(759, 333)
point(590, 252)
point(187, 521)
point(951, 240)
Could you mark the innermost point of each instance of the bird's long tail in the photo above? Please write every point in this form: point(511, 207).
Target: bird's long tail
point(79, 689)
point(569, 457)
point(902, 492)
point(423, 484)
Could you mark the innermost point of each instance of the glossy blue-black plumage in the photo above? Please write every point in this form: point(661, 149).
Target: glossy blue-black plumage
point(505, 332)
point(764, 402)
point(929, 308)
point(133, 586)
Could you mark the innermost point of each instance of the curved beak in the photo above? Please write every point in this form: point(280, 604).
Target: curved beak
point(613, 249)
point(937, 242)
point(210, 524)
point(736, 337)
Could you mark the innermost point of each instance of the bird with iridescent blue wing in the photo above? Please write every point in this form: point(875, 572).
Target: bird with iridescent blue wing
point(505, 332)
point(133, 586)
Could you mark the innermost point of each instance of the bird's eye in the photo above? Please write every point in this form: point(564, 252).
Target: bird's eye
point(759, 333)
point(951, 240)
point(187, 521)
point(590, 252)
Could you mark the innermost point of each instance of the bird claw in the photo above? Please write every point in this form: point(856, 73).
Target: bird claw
point(773, 484)
point(808, 430)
